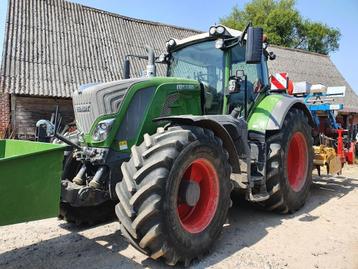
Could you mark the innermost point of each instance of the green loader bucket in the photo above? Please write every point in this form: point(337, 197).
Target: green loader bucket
point(29, 180)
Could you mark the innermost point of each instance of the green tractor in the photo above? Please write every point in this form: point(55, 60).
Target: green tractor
point(171, 149)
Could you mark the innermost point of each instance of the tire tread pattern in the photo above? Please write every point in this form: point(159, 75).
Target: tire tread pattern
point(278, 200)
point(147, 171)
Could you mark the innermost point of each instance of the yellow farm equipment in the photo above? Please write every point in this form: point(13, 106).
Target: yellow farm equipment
point(327, 156)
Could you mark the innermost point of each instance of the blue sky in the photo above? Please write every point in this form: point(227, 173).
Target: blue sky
point(200, 14)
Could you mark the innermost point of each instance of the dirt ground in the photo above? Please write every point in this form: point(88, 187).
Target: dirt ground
point(324, 234)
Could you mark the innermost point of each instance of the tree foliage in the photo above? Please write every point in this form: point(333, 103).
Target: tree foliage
point(284, 26)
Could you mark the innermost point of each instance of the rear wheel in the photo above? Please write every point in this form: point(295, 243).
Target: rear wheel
point(289, 165)
point(175, 194)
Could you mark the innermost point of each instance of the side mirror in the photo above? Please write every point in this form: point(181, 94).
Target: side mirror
point(254, 45)
point(126, 68)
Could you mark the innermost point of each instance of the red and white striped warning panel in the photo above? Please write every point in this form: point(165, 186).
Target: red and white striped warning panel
point(279, 81)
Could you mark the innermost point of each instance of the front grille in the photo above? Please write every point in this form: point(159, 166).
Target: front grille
point(97, 100)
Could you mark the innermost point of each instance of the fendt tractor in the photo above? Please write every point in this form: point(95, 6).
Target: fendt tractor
point(166, 152)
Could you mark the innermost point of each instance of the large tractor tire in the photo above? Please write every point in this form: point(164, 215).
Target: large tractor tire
point(289, 165)
point(175, 194)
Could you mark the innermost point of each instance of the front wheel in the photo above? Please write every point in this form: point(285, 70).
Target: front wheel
point(289, 165)
point(175, 193)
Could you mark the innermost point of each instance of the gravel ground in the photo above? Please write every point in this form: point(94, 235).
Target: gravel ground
point(324, 234)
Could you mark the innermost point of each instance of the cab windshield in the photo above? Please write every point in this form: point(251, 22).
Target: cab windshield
point(205, 63)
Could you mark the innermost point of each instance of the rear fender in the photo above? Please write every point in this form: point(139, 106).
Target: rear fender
point(271, 112)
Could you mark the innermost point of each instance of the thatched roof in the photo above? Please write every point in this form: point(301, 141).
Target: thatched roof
point(52, 47)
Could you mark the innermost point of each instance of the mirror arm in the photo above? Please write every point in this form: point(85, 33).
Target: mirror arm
point(233, 44)
point(137, 56)
point(126, 64)
point(244, 33)
point(269, 54)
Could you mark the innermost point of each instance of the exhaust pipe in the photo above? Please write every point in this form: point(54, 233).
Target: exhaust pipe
point(151, 69)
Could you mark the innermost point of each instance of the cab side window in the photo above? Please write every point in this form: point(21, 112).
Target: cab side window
point(255, 79)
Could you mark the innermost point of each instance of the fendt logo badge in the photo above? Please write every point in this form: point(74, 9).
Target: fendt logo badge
point(83, 108)
point(185, 87)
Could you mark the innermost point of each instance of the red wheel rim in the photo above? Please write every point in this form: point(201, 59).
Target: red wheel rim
point(297, 161)
point(195, 219)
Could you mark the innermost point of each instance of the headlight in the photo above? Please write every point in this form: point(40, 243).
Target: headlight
point(212, 30)
point(220, 30)
point(102, 130)
point(170, 44)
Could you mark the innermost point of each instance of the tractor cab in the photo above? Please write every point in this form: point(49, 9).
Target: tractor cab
point(231, 69)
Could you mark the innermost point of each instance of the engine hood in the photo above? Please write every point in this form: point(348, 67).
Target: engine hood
point(94, 100)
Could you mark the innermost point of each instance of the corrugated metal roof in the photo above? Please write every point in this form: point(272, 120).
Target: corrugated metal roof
point(52, 47)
